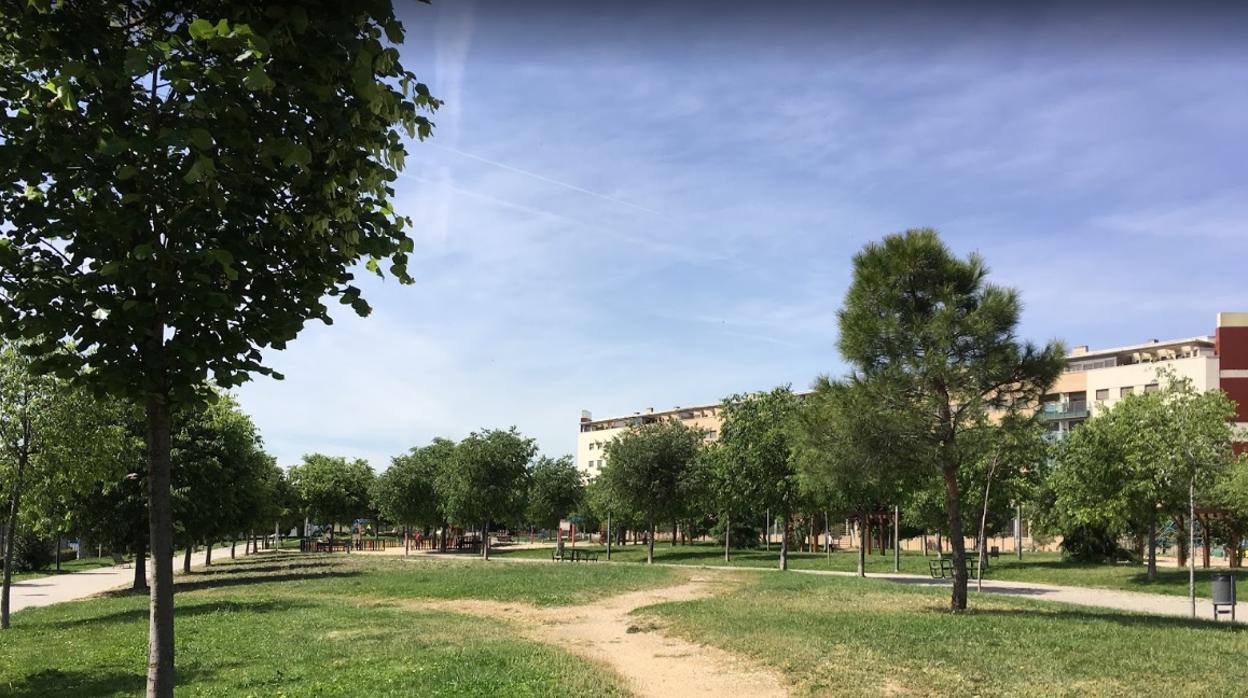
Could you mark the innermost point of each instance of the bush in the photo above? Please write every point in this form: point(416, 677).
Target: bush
point(31, 553)
point(1091, 544)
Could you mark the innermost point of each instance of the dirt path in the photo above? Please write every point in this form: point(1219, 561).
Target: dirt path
point(652, 664)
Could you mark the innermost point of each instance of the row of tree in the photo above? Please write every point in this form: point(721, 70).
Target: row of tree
point(491, 478)
point(72, 463)
point(939, 417)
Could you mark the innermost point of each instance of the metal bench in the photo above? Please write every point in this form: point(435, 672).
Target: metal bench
point(942, 567)
point(573, 555)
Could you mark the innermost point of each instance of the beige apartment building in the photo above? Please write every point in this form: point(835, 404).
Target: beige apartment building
point(1094, 380)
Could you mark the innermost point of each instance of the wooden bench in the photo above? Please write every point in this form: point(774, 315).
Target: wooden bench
point(119, 560)
point(324, 546)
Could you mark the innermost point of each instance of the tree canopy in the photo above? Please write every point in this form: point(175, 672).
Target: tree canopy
point(932, 341)
point(645, 471)
point(555, 491)
point(486, 480)
point(332, 489)
point(182, 184)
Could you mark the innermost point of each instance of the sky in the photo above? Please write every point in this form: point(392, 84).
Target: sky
point(640, 204)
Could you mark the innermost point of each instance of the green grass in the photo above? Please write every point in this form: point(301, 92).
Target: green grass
point(1041, 568)
point(849, 637)
point(67, 567)
point(325, 625)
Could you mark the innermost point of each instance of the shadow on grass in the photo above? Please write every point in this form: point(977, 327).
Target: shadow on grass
point(186, 611)
point(86, 684)
point(56, 682)
point(1127, 619)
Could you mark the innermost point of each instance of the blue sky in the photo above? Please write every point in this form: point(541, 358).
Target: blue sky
point(658, 207)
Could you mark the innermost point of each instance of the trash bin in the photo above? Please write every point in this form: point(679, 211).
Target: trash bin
point(1223, 595)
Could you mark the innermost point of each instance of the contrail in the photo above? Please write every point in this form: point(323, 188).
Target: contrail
point(548, 180)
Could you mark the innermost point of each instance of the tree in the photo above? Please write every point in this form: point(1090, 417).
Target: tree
point(405, 493)
point(645, 469)
point(51, 437)
point(182, 184)
point(333, 490)
point(555, 490)
point(928, 337)
point(220, 475)
point(839, 437)
point(1139, 463)
point(486, 480)
point(756, 464)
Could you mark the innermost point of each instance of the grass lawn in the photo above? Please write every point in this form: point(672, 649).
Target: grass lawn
point(298, 625)
point(850, 637)
point(1041, 568)
point(67, 567)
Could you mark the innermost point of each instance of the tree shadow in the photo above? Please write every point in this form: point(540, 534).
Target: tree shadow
point(1126, 619)
point(223, 581)
point(185, 611)
point(50, 683)
point(84, 684)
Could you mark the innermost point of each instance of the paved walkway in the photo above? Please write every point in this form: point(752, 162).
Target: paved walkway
point(56, 588)
point(45, 591)
point(1138, 602)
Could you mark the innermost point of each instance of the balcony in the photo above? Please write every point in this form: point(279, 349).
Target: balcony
point(1064, 410)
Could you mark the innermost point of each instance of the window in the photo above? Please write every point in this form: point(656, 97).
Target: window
point(1102, 393)
point(1123, 392)
point(1150, 388)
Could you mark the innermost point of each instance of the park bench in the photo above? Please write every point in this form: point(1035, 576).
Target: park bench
point(573, 555)
point(324, 546)
point(119, 560)
point(942, 567)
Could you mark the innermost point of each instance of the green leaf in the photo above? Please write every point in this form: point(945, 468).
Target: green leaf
point(143, 251)
point(257, 80)
point(202, 29)
point(126, 172)
point(373, 266)
point(200, 138)
point(202, 166)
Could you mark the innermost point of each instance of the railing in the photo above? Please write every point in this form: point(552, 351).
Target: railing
point(1064, 410)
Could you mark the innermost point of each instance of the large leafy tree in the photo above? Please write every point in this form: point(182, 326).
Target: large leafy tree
point(840, 439)
point(646, 469)
point(755, 465)
point(555, 490)
point(406, 492)
point(182, 184)
point(486, 480)
point(54, 437)
point(222, 475)
point(929, 338)
point(332, 489)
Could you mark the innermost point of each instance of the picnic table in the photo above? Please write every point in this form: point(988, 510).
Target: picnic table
point(308, 545)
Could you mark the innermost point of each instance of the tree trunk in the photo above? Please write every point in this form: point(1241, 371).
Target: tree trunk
point(925, 544)
point(953, 506)
point(15, 500)
point(233, 543)
point(784, 543)
point(650, 545)
point(407, 546)
point(767, 531)
point(862, 552)
point(674, 528)
point(727, 536)
point(608, 536)
point(58, 551)
point(485, 540)
point(1152, 549)
point(140, 569)
point(186, 559)
point(160, 524)
point(208, 554)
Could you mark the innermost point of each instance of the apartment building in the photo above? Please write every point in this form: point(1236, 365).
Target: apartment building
point(1093, 381)
point(596, 434)
point(1096, 379)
